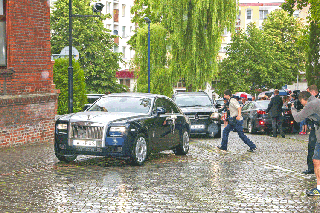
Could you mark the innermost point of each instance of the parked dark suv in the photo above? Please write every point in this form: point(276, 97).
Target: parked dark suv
point(200, 110)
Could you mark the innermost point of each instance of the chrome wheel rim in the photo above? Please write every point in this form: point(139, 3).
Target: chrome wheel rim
point(141, 150)
point(185, 142)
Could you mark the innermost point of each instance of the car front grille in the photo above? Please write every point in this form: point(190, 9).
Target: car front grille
point(86, 132)
point(198, 116)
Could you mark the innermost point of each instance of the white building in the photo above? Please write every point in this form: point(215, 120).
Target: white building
point(120, 24)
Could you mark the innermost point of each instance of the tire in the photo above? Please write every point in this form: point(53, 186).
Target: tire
point(251, 129)
point(140, 150)
point(218, 135)
point(66, 159)
point(183, 147)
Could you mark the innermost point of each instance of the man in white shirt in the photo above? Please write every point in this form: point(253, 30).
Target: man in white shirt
point(235, 123)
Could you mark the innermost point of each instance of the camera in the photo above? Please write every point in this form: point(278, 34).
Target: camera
point(296, 103)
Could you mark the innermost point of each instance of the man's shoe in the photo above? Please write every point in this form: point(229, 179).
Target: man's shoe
point(313, 192)
point(308, 171)
point(219, 147)
point(252, 149)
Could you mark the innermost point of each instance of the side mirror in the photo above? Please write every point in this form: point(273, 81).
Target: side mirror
point(161, 110)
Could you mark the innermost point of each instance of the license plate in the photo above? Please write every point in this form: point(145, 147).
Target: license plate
point(84, 143)
point(197, 126)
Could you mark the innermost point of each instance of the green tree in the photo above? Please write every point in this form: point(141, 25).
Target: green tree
point(60, 79)
point(263, 58)
point(93, 42)
point(313, 65)
point(313, 44)
point(193, 37)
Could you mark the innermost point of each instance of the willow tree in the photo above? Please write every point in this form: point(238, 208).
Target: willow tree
point(193, 36)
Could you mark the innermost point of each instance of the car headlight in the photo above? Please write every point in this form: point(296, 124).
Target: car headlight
point(215, 115)
point(118, 129)
point(62, 126)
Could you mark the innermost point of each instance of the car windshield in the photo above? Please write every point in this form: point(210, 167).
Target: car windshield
point(263, 104)
point(122, 104)
point(221, 102)
point(191, 101)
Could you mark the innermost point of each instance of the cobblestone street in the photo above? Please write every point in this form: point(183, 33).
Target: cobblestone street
point(206, 180)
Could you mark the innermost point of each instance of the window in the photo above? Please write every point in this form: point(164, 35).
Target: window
point(248, 14)
point(121, 81)
point(3, 45)
point(123, 31)
point(263, 14)
point(108, 7)
point(116, 49)
point(128, 83)
point(124, 52)
point(123, 10)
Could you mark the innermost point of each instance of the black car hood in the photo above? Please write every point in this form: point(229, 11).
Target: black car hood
point(197, 109)
point(101, 117)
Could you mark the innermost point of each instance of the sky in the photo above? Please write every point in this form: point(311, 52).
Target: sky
point(260, 1)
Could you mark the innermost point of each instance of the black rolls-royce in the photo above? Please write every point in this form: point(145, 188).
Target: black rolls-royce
point(130, 125)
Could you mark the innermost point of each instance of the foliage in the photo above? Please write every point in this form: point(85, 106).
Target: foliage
point(314, 10)
point(313, 65)
point(93, 42)
point(60, 79)
point(160, 78)
point(193, 37)
point(263, 58)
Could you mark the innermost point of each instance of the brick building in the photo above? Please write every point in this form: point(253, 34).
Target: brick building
point(28, 99)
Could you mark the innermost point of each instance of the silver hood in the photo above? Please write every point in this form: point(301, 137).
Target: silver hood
point(102, 117)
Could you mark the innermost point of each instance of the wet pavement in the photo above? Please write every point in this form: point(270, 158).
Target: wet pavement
point(205, 180)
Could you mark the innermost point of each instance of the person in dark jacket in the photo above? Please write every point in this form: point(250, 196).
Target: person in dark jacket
point(275, 109)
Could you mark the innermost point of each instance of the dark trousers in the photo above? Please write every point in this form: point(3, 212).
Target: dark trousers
point(311, 145)
point(277, 123)
point(236, 125)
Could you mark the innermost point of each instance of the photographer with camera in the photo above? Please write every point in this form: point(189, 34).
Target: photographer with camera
point(311, 110)
point(312, 136)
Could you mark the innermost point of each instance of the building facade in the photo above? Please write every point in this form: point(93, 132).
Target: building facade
point(28, 99)
point(120, 24)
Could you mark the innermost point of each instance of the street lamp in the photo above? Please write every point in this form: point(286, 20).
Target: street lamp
point(97, 7)
point(148, 21)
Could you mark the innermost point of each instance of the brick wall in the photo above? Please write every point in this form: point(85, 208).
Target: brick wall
point(27, 118)
point(28, 47)
point(27, 111)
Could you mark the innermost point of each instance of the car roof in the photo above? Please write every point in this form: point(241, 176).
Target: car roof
point(136, 94)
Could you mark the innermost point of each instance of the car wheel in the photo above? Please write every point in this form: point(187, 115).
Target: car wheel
point(140, 150)
point(183, 147)
point(66, 158)
point(251, 127)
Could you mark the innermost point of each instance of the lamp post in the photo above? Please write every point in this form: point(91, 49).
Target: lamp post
point(148, 21)
point(97, 7)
